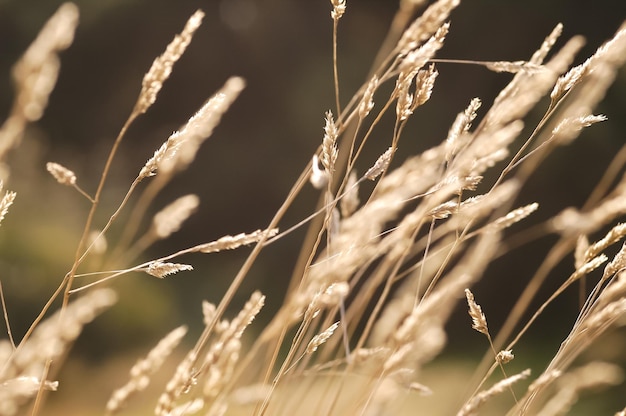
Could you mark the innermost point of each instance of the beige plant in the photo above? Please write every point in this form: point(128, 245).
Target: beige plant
point(382, 267)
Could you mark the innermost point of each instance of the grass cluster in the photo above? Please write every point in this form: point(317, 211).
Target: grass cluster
point(391, 249)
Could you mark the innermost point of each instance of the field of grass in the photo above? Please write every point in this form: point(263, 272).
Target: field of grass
point(404, 254)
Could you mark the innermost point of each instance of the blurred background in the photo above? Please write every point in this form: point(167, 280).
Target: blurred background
point(283, 49)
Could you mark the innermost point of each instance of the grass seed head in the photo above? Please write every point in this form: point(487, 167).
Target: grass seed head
point(479, 322)
point(162, 66)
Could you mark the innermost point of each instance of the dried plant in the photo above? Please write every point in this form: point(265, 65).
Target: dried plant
point(384, 264)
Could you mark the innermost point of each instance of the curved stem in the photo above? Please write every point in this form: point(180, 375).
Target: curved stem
point(80, 255)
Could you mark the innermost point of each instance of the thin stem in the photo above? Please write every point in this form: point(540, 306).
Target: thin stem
point(83, 193)
point(245, 268)
point(321, 210)
point(335, 70)
point(297, 339)
point(105, 279)
point(6, 317)
point(274, 358)
point(66, 284)
point(40, 391)
point(80, 255)
point(136, 215)
point(112, 218)
point(423, 262)
point(400, 22)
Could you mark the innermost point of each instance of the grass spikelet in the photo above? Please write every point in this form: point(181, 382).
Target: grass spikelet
point(82, 311)
point(514, 102)
point(615, 289)
point(504, 357)
point(247, 314)
point(367, 101)
point(424, 26)
point(339, 8)
point(28, 386)
point(232, 242)
point(512, 67)
point(36, 73)
point(398, 356)
point(63, 175)
point(592, 323)
point(68, 326)
point(50, 341)
point(444, 210)
point(479, 206)
point(405, 98)
point(334, 294)
point(140, 373)
point(208, 312)
point(486, 150)
point(590, 266)
point(329, 144)
point(17, 390)
point(594, 375)
point(410, 70)
point(514, 216)
point(170, 219)
point(421, 389)
point(161, 270)
point(380, 166)
point(424, 83)
point(618, 263)
point(180, 148)
point(601, 320)
point(162, 66)
point(219, 363)
point(178, 385)
point(540, 54)
point(417, 58)
point(568, 80)
point(572, 222)
point(567, 129)
point(611, 52)
point(615, 234)
point(479, 322)
point(461, 125)
point(6, 202)
point(472, 407)
point(321, 338)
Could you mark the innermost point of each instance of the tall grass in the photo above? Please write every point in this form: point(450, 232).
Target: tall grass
point(393, 246)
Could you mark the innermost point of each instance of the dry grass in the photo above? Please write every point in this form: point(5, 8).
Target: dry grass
point(390, 251)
